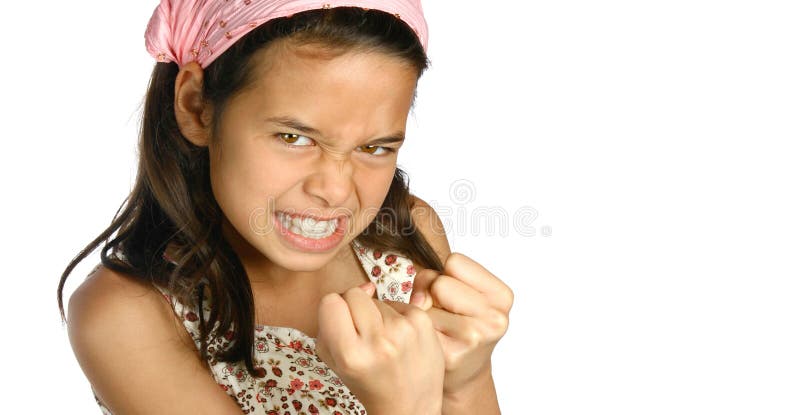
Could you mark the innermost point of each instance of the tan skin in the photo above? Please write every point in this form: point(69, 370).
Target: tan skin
point(350, 99)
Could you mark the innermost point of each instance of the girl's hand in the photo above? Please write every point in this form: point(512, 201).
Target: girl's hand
point(469, 307)
point(389, 357)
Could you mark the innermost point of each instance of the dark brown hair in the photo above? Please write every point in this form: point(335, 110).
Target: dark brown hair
point(172, 202)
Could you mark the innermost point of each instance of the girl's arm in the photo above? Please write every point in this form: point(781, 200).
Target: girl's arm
point(471, 312)
point(479, 398)
point(136, 354)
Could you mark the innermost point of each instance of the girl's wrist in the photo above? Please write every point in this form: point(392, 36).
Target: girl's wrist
point(477, 396)
point(426, 406)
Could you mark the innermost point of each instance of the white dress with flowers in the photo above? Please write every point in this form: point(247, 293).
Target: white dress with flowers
point(291, 378)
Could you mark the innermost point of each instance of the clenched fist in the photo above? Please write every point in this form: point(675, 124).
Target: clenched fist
point(388, 356)
point(469, 307)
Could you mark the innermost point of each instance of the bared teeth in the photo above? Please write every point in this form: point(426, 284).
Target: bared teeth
point(308, 227)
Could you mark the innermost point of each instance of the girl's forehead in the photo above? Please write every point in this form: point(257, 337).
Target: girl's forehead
point(368, 77)
point(289, 59)
point(353, 94)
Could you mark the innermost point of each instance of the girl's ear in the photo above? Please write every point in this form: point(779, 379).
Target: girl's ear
point(191, 112)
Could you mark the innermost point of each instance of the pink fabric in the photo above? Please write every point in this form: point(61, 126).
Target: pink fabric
point(183, 31)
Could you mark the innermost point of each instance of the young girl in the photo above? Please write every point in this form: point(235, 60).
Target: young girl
point(266, 258)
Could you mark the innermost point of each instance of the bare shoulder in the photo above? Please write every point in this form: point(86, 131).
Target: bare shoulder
point(107, 297)
point(430, 225)
point(134, 352)
point(104, 285)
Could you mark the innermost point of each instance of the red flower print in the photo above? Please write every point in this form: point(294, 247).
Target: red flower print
point(224, 387)
point(261, 372)
point(337, 413)
point(229, 335)
point(313, 409)
point(410, 270)
point(330, 401)
point(315, 385)
point(297, 345)
point(297, 405)
point(393, 287)
point(271, 383)
point(377, 254)
point(191, 316)
point(277, 371)
point(391, 259)
point(272, 412)
point(260, 398)
point(376, 270)
point(407, 286)
point(296, 384)
point(261, 347)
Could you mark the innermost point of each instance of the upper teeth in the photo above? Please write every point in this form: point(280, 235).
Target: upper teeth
point(308, 225)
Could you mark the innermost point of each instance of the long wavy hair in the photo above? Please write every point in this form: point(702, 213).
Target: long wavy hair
point(172, 203)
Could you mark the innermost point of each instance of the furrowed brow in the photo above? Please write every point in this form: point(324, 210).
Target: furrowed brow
point(293, 124)
point(397, 137)
point(289, 122)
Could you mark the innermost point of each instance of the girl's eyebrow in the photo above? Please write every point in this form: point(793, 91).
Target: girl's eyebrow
point(289, 122)
point(293, 124)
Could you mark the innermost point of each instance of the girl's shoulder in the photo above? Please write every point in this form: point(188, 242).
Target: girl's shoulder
point(429, 224)
point(124, 335)
point(107, 298)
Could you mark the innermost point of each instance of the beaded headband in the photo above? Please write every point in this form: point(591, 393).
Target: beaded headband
point(183, 31)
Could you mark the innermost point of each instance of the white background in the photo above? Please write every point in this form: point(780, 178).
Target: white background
point(657, 141)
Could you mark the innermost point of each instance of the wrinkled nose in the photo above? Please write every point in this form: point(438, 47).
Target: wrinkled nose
point(331, 183)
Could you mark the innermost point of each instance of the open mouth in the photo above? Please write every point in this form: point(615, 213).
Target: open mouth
point(308, 227)
point(308, 233)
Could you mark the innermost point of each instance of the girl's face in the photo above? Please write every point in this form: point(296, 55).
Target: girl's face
point(314, 136)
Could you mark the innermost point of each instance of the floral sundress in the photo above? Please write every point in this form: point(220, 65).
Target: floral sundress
point(292, 378)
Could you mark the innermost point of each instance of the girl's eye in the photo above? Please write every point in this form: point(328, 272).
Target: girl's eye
point(373, 149)
point(292, 140)
point(297, 140)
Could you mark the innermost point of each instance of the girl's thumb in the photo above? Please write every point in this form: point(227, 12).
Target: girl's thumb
point(368, 287)
point(418, 299)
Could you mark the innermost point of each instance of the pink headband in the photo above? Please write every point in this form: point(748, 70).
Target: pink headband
point(182, 31)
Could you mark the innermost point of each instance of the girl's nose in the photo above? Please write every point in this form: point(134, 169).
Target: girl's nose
point(332, 182)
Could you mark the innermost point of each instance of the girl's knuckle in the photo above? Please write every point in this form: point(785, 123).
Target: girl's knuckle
point(498, 322)
point(404, 327)
point(385, 350)
point(439, 285)
point(473, 337)
point(353, 363)
point(419, 318)
point(508, 298)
